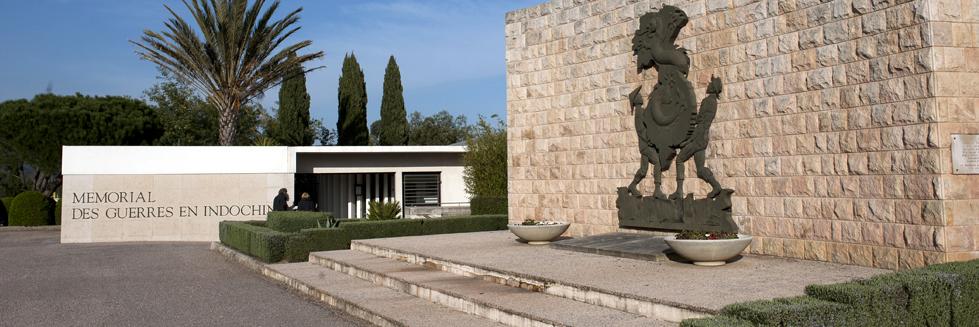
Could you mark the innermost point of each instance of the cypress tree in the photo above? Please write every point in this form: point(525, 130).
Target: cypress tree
point(352, 118)
point(293, 128)
point(394, 119)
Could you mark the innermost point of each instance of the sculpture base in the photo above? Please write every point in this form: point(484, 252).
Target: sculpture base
point(708, 214)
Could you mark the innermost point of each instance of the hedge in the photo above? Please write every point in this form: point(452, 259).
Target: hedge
point(939, 295)
point(315, 239)
point(717, 321)
point(365, 229)
point(965, 291)
point(30, 209)
point(256, 239)
point(488, 205)
point(294, 221)
point(797, 311)
point(463, 224)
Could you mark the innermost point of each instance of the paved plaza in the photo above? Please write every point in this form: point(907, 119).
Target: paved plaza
point(44, 283)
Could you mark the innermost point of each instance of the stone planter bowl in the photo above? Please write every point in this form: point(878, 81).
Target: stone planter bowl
point(538, 234)
point(709, 252)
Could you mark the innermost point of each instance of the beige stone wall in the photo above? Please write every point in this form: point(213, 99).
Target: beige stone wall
point(184, 207)
point(834, 126)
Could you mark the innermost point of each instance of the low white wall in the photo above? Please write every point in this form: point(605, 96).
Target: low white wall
point(115, 194)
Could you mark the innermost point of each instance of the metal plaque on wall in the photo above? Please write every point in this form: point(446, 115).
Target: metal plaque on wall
point(965, 153)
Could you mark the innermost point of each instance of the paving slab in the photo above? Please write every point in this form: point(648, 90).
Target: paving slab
point(481, 297)
point(380, 305)
point(625, 245)
point(704, 289)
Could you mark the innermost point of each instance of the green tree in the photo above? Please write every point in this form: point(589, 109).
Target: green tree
point(352, 94)
point(188, 119)
point(438, 129)
point(324, 135)
point(394, 120)
point(33, 131)
point(375, 132)
point(237, 59)
point(293, 126)
point(485, 161)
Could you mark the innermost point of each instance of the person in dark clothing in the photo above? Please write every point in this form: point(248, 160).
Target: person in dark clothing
point(281, 201)
point(306, 204)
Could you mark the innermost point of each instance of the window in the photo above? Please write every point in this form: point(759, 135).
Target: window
point(422, 189)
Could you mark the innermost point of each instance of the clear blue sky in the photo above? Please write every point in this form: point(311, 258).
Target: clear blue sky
point(451, 52)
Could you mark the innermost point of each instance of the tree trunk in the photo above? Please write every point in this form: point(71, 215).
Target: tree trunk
point(227, 125)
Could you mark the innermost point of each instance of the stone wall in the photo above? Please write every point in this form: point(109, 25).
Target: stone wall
point(834, 127)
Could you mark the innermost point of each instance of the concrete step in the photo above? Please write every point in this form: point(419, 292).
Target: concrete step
point(511, 306)
point(378, 305)
point(646, 306)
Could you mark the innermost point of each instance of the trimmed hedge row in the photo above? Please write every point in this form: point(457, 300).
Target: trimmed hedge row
point(294, 221)
point(939, 295)
point(254, 239)
point(258, 240)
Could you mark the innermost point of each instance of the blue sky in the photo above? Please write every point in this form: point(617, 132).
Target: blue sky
point(451, 52)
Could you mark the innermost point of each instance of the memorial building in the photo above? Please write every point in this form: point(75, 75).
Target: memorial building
point(135, 193)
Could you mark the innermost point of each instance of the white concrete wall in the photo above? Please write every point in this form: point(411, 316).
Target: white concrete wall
point(116, 194)
point(185, 188)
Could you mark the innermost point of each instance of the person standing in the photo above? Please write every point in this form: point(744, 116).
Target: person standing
point(305, 203)
point(281, 201)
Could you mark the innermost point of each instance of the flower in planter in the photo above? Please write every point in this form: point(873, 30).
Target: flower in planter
point(705, 235)
point(531, 222)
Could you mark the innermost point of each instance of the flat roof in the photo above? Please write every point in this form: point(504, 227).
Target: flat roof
point(380, 149)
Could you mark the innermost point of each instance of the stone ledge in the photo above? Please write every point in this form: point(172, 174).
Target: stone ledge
point(53, 228)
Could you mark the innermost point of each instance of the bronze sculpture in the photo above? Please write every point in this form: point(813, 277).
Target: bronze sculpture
point(670, 127)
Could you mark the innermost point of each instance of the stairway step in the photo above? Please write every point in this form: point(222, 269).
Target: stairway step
point(379, 305)
point(508, 305)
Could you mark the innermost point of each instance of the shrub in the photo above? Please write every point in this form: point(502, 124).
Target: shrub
point(485, 161)
point(57, 213)
point(268, 245)
point(30, 209)
point(258, 241)
point(358, 230)
point(294, 221)
point(463, 224)
point(384, 210)
point(914, 298)
point(797, 311)
point(301, 244)
point(965, 291)
point(717, 321)
point(488, 205)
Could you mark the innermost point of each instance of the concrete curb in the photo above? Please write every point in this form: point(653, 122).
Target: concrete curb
point(648, 307)
point(442, 297)
point(299, 287)
point(54, 228)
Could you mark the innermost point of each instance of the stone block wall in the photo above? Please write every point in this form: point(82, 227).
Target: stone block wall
point(834, 127)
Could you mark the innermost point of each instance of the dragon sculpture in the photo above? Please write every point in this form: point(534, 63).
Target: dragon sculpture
point(669, 127)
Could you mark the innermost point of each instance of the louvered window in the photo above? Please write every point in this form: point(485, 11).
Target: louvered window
point(421, 189)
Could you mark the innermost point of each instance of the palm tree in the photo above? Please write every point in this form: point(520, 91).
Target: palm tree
point(237, 59)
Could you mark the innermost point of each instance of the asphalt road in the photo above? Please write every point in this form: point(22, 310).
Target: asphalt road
point(44, 283)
